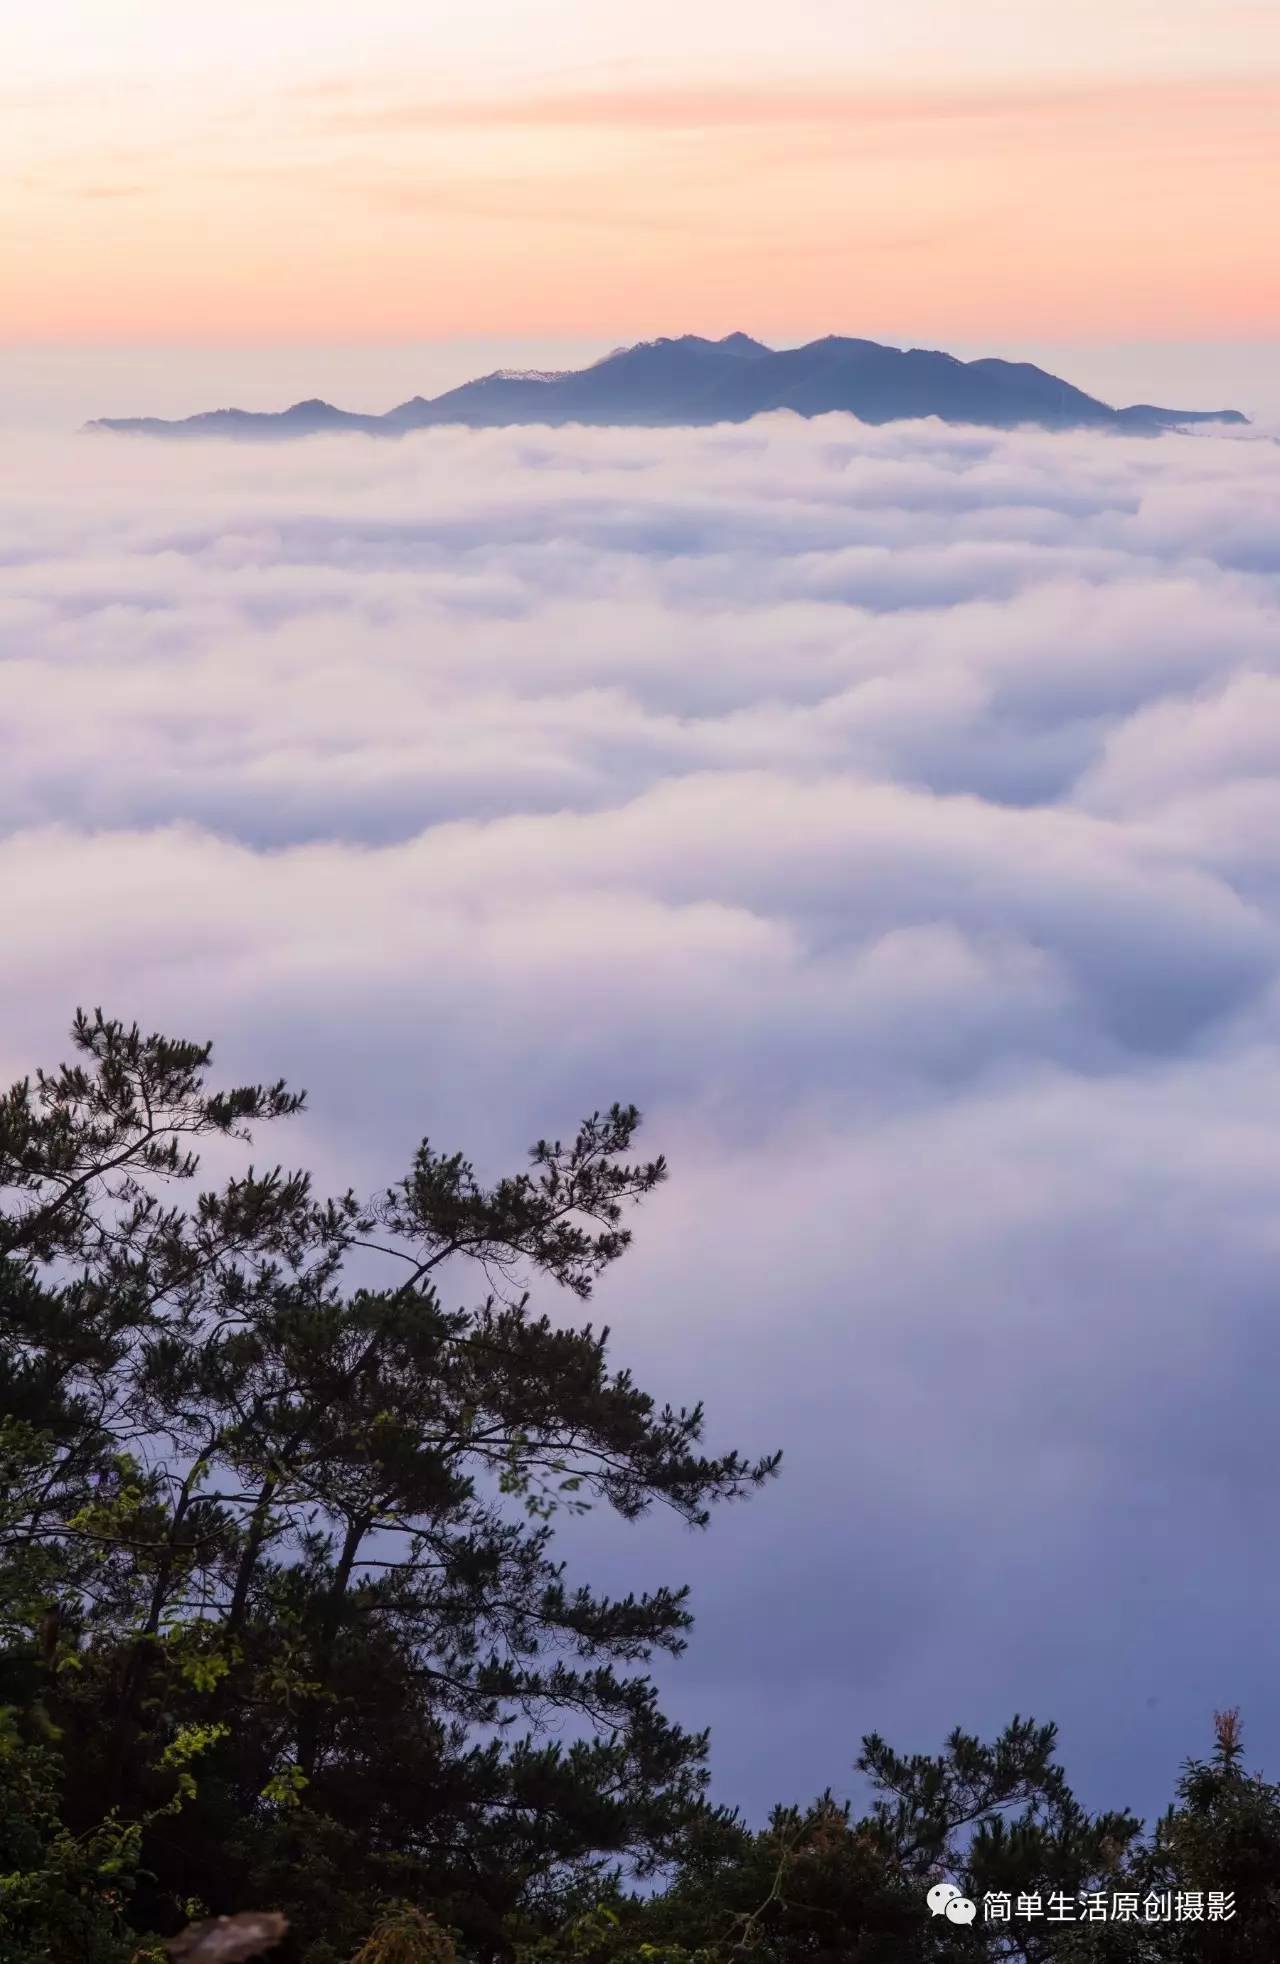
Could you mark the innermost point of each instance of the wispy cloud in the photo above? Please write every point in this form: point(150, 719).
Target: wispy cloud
point(714, 106)
point(374, 211)
point(108, 191)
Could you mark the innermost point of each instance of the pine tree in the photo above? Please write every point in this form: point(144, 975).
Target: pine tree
point(279, 1570)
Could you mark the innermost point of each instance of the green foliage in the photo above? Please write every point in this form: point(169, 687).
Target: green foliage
point(61, 1896)
point(603, 1936)
point(405, 1934)
point(1223, 1833)
point(65, 1896)
point(278, 1587)
point(821, 1886)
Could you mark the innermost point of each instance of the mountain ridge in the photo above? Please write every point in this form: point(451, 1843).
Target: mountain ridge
point(690, 380)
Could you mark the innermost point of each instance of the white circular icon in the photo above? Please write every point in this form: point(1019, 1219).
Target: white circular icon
point(940, 1895)
point(961, 1910)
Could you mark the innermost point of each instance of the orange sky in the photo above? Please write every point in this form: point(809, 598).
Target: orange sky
point(359, 175)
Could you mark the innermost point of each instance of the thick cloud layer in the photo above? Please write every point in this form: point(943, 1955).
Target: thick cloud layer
point(894, 815)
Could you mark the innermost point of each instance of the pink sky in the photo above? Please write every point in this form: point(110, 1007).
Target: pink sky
point(334, 174)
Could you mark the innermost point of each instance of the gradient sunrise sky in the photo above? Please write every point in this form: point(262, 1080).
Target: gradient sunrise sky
point(299, 170)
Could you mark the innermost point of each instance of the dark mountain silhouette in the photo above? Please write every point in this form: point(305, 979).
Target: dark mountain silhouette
point(690, 380)
point(1170, 419)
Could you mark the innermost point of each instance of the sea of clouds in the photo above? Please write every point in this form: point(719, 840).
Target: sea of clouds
point(895, 816)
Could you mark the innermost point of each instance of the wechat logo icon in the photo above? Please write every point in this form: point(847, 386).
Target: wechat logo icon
point(944, 1899)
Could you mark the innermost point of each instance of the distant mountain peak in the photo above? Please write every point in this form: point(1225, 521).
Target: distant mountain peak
point(690, 380)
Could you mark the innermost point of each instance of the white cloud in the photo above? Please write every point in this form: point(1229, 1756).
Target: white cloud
point(892, 813)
